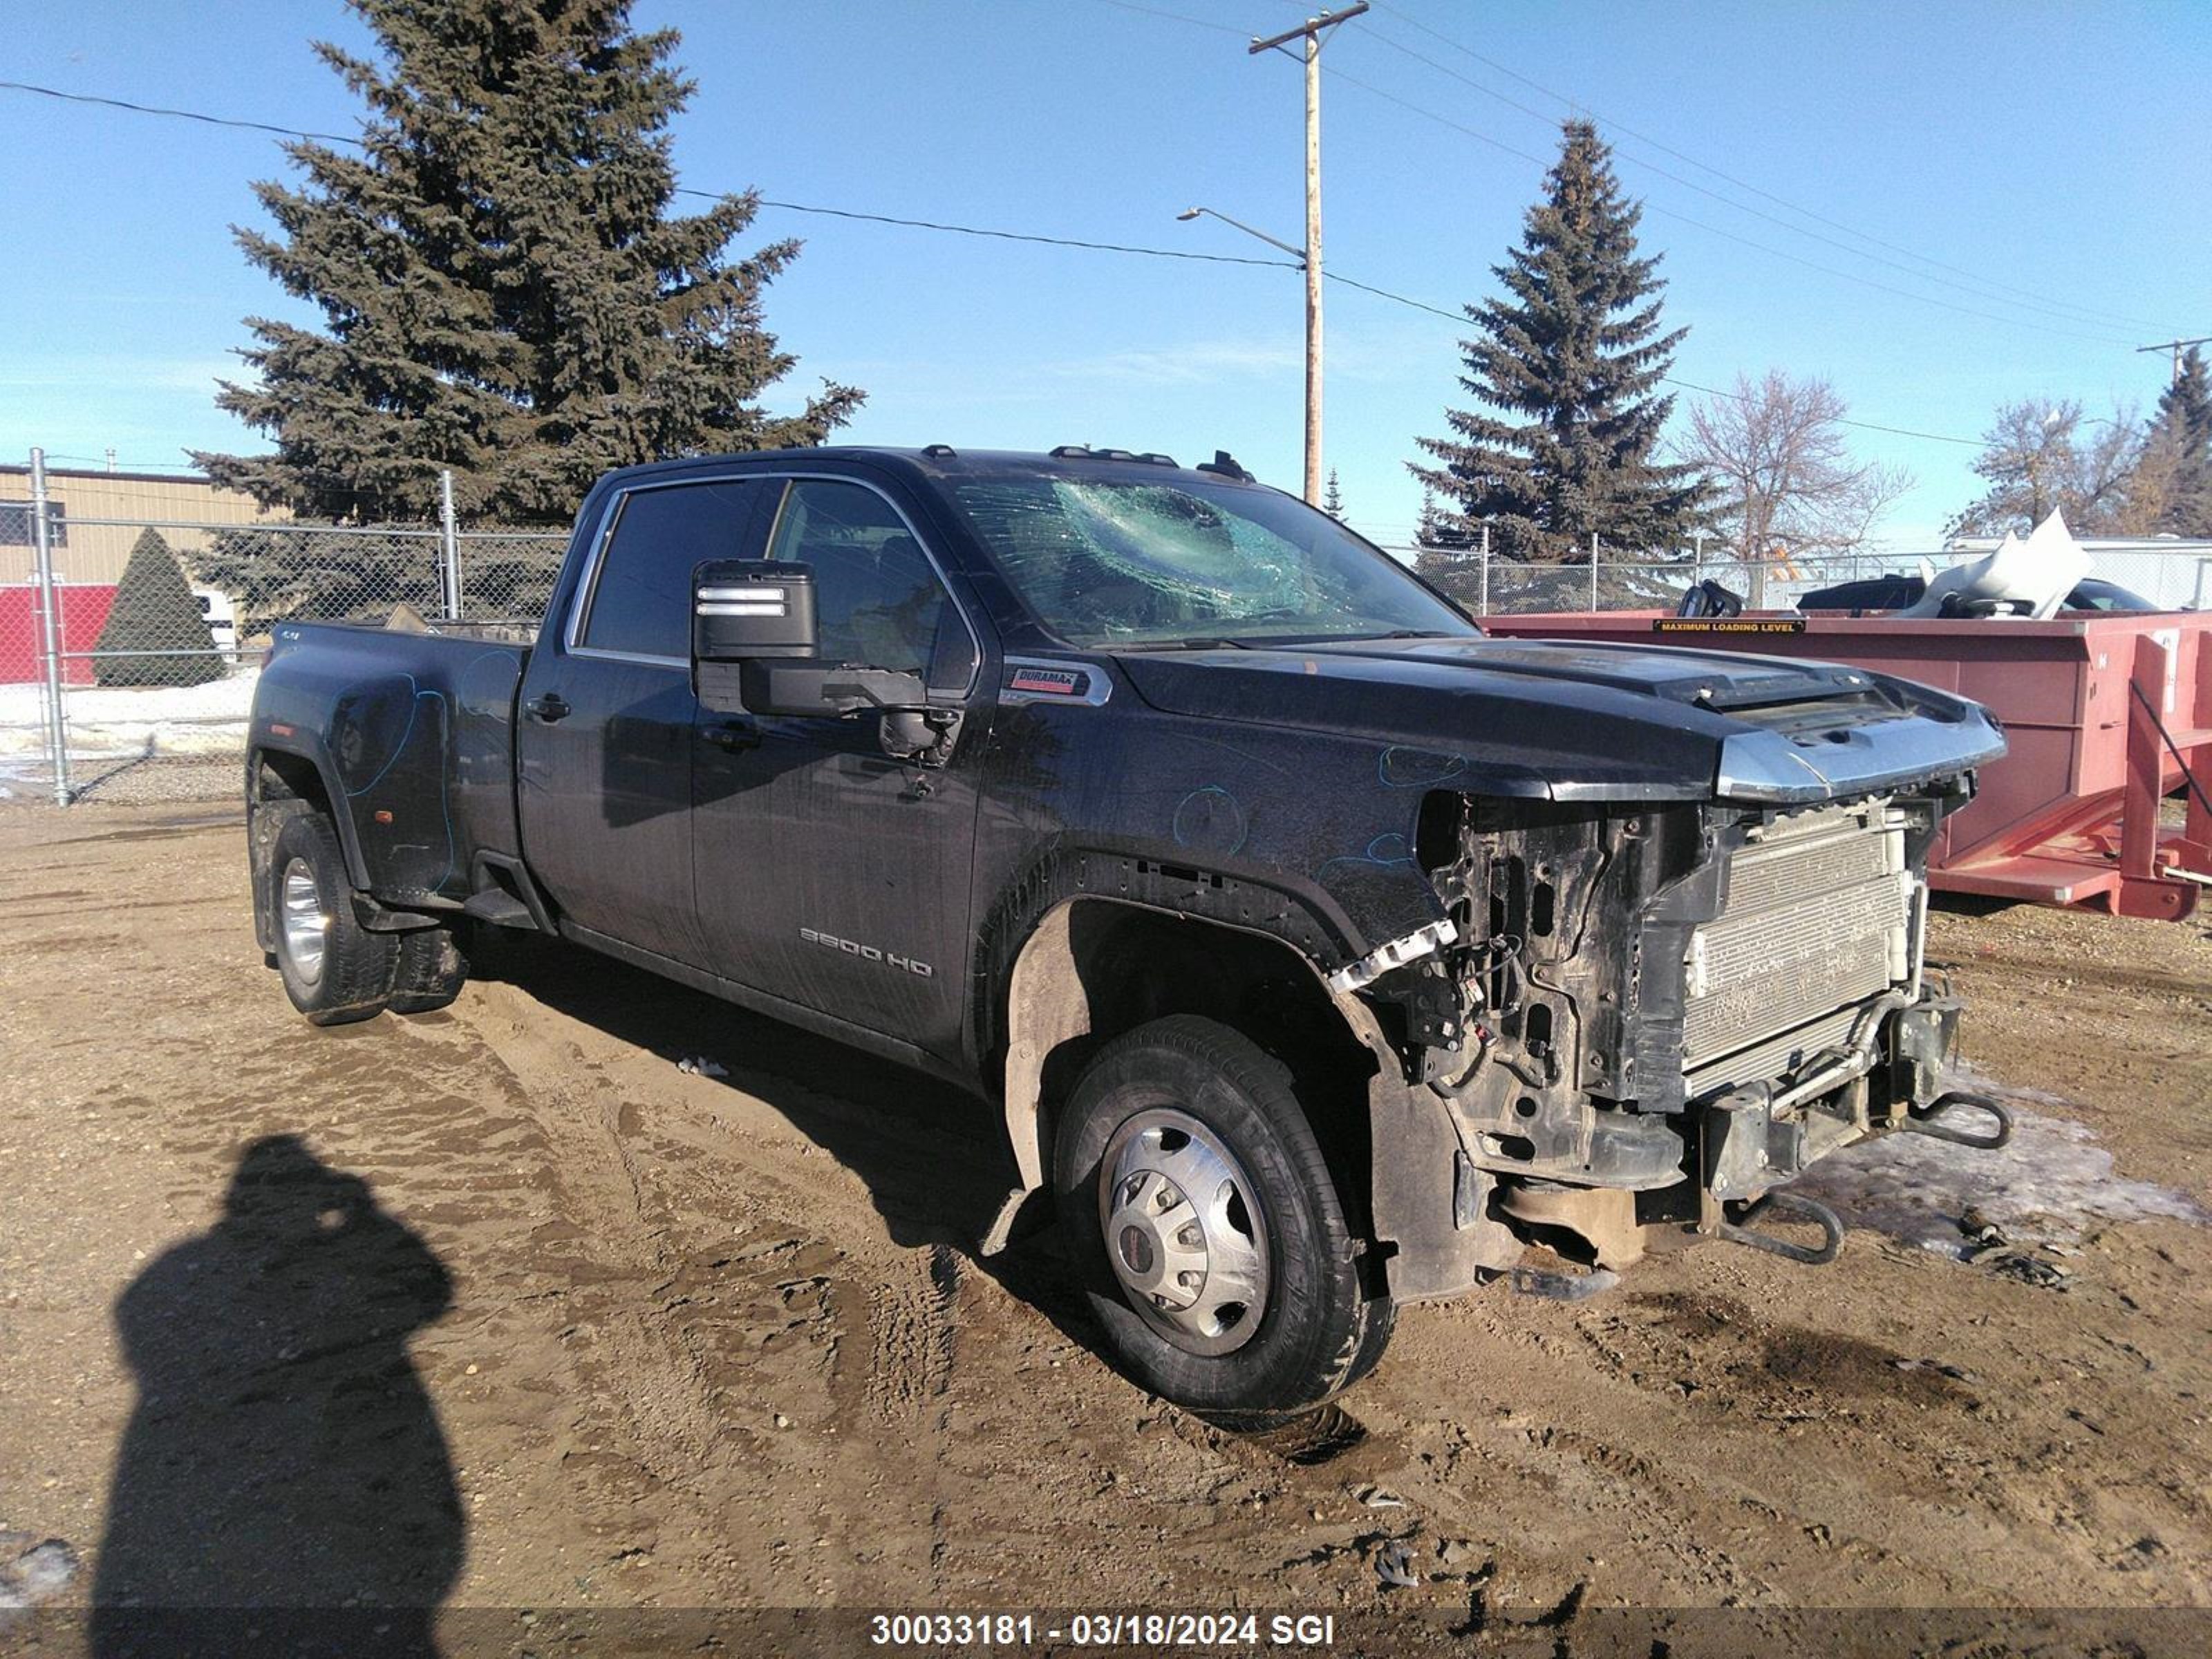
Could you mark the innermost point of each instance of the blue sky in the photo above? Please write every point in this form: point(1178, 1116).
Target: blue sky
point(2052, 157)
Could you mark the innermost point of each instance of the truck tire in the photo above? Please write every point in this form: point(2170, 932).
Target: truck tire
point(431, 970)
point(1207, 1230)
point(334, 969)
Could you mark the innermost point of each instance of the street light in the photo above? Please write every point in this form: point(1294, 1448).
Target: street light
point(1313, 340)
point(1272, 242)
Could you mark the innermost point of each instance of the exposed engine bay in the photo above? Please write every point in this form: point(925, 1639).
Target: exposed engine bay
point(1654, 1012)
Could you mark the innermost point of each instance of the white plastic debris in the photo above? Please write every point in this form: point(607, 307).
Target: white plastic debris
point(2030, 576)
point(1394, 1565)
point(701, 1066)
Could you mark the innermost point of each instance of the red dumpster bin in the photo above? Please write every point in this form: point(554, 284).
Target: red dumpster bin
point(2102, 713)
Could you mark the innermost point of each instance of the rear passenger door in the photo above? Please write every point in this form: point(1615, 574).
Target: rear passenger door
point(829, 874)
point(605, 734)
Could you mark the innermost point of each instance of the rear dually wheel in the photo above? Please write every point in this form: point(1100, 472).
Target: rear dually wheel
point(334, 969)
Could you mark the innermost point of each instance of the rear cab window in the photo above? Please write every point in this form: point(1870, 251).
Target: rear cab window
point(637, 602)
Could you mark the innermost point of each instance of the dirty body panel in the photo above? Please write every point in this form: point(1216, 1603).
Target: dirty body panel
point(1602, 952)
point(1590, 936)
point(408, 737)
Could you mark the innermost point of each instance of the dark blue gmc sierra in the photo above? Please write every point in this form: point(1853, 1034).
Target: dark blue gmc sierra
point(1321, 954)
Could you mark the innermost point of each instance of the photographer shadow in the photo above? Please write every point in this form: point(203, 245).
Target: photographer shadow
point(283, 1484)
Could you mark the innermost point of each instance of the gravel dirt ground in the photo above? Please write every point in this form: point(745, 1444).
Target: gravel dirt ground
point(499, 1304)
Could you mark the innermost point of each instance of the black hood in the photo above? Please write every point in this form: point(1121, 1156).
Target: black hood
point(1579, 720)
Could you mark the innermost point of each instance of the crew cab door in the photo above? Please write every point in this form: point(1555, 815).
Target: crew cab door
point(606, 728)
point(827, 873)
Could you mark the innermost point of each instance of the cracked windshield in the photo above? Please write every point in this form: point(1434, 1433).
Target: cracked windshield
point(1114, 564)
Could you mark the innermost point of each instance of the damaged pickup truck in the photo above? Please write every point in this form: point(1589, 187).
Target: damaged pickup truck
point(1320, 954)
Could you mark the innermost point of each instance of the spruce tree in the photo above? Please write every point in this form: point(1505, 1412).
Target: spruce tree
point(1332, 500)
point(2179, 450)
point(1574, 348)
point(504, 290)
point(154, 610)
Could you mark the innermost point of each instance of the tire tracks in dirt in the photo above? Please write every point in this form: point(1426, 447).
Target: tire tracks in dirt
point(746, 1368)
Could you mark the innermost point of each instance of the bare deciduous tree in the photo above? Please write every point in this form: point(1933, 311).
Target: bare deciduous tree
point(2042, 457)
point(1788, 485)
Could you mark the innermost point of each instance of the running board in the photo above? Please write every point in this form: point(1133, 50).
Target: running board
point(505, 894)
point(500, 909)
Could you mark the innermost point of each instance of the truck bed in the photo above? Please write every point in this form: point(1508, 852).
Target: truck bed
point(415, 728)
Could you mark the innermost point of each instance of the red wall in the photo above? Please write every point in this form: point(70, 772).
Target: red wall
point(84, 607)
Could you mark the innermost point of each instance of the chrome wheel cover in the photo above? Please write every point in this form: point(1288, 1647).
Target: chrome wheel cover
point(307, 925)
point(1184, 1231)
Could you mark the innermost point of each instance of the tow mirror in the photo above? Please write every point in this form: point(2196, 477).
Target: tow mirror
point(744, 609)
point(756, 649)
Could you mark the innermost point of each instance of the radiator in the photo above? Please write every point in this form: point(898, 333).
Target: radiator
point(1819, 919)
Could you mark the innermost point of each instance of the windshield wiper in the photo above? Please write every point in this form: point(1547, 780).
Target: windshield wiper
point(1211, 642)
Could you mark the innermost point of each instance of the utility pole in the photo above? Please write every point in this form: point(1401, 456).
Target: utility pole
point(2175, 347)
point(1311, 32)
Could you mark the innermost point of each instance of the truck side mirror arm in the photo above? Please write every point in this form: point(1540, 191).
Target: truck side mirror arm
point(756, 649)
point(912, 727)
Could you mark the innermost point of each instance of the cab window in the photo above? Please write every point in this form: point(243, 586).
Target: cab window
point(878, 602)
point(640, 600)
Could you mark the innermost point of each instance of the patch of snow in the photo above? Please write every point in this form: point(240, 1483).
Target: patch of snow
point(122, 723)
point(31, 1572)
point(2051, 1185)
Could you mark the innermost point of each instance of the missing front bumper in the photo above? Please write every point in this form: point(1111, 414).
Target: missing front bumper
point(1754, 1139)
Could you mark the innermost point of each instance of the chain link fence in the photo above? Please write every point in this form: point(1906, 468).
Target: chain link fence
point(1499, 587)
point(2170, 577)
point(131, 636)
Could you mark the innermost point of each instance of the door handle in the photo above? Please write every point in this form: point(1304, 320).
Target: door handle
point(549, 708)
point(734, 736)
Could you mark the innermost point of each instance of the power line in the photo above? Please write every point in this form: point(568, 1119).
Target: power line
point(2072, 314)
point(1728, 235)
point(178, 114)
point(1008, 235)
point(1177, 17)
point(1095, 247)
point(1012, 236)
point(1979, 287)
point(1668, 380)
point(709, 195)
point(1578, 106)
point(128, 466)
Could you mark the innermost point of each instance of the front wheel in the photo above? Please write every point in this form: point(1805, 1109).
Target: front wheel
point(1207, 1228)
